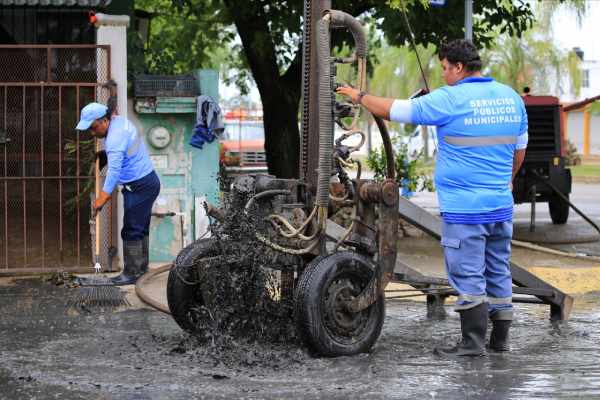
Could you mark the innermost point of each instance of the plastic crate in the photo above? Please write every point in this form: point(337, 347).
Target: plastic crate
point(165, 86)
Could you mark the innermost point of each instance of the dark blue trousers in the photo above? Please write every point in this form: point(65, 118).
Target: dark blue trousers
point(138, 198)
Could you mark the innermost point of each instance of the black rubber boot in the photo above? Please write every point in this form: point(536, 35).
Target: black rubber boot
point(501, 321)
point(146, 255)
point(133, 256)
point(473, 325)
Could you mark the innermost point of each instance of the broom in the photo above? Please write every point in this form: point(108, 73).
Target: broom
point(97, 290)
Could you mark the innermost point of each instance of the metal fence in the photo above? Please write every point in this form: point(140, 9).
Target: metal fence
point(46, 166)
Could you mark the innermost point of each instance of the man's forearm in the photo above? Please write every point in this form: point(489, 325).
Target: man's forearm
point(378, 106)
point(518, 158)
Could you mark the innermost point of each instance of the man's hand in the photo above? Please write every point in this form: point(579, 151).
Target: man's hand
point(102, 199)
point(348, 92)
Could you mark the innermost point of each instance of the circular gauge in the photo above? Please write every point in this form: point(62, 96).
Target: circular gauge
point(159, 137)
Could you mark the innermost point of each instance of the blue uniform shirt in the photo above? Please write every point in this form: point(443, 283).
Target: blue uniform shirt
point(480, 125)
point(128, 159)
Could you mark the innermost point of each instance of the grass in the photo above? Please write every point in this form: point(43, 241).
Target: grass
point(587, 171)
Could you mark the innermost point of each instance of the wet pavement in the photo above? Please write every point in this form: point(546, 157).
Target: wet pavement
point(49, 350)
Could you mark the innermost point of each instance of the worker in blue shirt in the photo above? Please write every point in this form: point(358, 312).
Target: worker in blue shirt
point(482, 136)
point(130, 166)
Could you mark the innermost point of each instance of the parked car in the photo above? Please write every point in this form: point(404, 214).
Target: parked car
point(243, 146)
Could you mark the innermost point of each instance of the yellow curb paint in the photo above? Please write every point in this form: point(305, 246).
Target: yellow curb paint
point(574, 281)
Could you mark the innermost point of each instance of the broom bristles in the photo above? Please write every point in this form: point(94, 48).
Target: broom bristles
point(99, 291)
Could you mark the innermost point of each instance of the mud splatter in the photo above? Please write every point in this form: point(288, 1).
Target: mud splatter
point(244, 319)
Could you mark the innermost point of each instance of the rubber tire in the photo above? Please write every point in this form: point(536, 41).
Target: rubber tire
point(559, 210)
point(308, 307)
point(182, 297)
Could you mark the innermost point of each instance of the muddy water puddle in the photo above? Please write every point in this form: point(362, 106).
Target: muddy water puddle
point(49, 351)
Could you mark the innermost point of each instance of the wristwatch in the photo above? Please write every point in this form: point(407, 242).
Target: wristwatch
point(360, 96)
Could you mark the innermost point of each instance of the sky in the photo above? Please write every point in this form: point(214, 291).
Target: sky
point(569, 34)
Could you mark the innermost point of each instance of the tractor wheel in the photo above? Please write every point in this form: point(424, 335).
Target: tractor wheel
point(321, 319)
point(183, 290)
point(559, 209)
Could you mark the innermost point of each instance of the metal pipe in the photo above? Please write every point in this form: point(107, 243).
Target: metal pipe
point(5, 186)
point(78, 217)
point(469, 20)
point(24, 184)
point(42, 180)
point(60, 205)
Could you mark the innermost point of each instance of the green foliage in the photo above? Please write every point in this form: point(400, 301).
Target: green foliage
point(572, 157)
point(433, 25)
point(409, 172)
point(183, 36)
point(87, 156)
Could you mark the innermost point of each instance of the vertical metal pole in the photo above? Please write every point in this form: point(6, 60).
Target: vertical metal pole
point(78, 183)
point(5, 186)
point(60, 181)
point(532, 216)
point(469, 20)
point(42, 180)
point(317, 9)
point(24, 184)
point(425, 137)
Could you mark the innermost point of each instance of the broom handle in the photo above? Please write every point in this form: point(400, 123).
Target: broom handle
point(97, 187)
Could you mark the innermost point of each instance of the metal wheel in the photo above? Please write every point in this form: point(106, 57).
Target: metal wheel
point(321, 317)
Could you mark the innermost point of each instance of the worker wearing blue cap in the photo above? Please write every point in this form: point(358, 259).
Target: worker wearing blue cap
point(130, 166)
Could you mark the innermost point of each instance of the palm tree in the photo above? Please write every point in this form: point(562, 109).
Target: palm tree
point(533, 59)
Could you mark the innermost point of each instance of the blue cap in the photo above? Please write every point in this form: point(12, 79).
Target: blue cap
point(89, 114)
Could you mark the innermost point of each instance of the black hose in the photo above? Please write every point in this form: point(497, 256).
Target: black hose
point(387, 145)
point(546, 181)
point(345, 20)
point(325, 112)
point(266, 193)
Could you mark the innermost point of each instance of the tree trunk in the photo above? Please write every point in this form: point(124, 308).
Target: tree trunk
point(282, 136)
point(279, 93)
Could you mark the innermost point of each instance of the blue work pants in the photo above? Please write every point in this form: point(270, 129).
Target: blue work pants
point(138, 198)
point(478, 264)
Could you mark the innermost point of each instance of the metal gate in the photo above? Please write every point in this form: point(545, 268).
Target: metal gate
point(46, 166)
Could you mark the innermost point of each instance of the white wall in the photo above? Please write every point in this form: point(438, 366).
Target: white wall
point(575, 132)
point(594, 79)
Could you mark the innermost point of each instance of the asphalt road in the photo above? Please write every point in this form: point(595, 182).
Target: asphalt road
point(49, 350)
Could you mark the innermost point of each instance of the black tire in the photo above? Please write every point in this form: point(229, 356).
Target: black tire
point(181, 295)
point(559, 209)
point(332, 331)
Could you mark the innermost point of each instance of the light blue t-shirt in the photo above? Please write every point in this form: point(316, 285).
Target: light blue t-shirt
point(480, 125)
point(128, 159)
